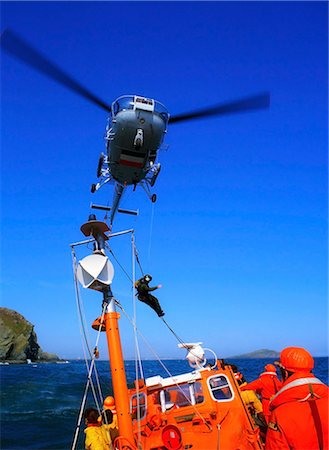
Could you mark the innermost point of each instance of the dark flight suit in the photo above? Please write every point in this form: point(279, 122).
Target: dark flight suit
point(143, 294)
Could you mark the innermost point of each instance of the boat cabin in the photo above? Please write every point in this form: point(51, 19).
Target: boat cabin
point(198, 410)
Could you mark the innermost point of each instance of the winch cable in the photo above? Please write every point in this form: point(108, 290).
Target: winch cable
point(83, 327)
point(92, 367)
point(157, 357)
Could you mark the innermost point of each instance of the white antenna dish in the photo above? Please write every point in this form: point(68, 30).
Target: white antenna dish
point(195, 354)
point(95, 272)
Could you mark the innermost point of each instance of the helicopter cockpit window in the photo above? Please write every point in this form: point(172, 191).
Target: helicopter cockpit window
point(220, 388)
point(138, 406)
point(131, 102)
point(162, 111)
point(122, 103)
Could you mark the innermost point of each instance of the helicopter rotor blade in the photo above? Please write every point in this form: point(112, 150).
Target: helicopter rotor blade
point(246, 104)
point(20, 49)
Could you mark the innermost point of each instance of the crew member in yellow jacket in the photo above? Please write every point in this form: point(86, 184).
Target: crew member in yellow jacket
point(97, 438)
point(250, 398)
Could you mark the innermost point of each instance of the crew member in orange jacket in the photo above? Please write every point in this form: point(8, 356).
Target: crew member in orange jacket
point(267, 385)
point(299, 418)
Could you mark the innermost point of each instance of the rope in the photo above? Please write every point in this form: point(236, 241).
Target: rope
point(180, 340)
point(162, 364)
point(92, 367)
point(82, 322)
point(173, 332)
point(137, 259)
point(135, 309)
point(138, 360)
point(117, 261)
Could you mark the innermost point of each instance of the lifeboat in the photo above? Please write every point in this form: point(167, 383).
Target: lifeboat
point(199, 410)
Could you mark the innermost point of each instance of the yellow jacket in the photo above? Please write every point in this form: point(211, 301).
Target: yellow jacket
point(97, 438)
point(112, 428)
point(250, 396)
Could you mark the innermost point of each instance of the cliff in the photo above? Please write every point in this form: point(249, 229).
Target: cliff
point(18, 340)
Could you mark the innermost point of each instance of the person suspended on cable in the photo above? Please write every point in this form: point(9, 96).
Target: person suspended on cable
point(143, 294)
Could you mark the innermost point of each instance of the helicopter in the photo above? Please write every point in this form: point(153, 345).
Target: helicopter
point(135, 129)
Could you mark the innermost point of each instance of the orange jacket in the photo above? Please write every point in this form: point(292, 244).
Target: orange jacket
point(299, 418)
point(267, 385)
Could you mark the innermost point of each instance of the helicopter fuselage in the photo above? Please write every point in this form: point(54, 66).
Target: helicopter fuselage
point(134, 135)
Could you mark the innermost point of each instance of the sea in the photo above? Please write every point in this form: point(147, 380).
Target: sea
point(40, 403)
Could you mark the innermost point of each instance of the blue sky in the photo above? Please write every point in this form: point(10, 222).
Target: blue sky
point(238, 236)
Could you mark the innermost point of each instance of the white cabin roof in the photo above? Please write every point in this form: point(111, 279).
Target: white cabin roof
point(157, 381)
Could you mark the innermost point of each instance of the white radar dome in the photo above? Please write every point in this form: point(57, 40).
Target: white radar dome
point(95, 272)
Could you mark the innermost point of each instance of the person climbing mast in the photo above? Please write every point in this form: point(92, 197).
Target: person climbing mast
point(143, 294)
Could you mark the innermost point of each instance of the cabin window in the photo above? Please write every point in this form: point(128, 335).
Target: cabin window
point(180, 396)
point(220, 388)
point(197, 392)
point(138, 406)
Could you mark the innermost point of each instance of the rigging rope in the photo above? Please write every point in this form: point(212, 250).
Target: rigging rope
point(180, 340)
point(163, 365)
point(138, 360)
point(92, 367)
point(83, 327)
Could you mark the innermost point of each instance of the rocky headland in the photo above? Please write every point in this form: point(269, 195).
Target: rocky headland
point(261, 354)
point(18, 340)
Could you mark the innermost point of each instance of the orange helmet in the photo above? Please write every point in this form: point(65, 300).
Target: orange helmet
point(296, 359)
point(270, 368)
point(109, 402)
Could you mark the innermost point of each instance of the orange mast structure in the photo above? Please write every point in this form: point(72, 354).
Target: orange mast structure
point(96, 272)
point(119, 379)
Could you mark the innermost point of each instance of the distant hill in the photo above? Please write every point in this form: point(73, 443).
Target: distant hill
point(263, 353)
point(18, 340)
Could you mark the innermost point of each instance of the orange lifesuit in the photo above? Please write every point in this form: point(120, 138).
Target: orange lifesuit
point(267, 385)
point(299, 418)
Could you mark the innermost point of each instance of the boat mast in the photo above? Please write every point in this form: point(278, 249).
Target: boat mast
point(119, 379)
point(111, 321)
